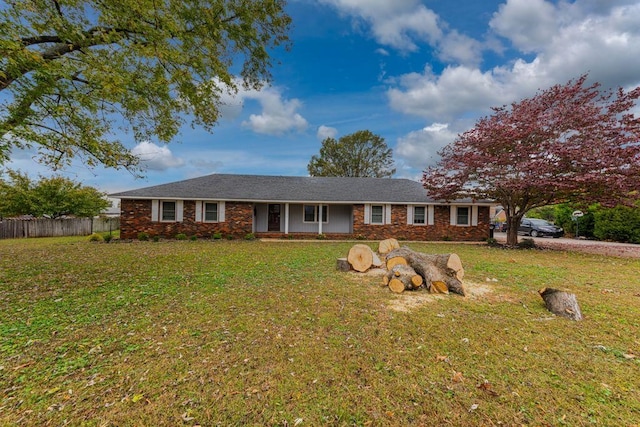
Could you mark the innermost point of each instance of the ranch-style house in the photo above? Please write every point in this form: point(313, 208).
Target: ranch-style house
point(299, 207)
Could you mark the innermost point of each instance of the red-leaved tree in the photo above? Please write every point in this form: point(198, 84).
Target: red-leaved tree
point(569, 143)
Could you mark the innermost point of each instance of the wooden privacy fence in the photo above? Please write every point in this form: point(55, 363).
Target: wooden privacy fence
point(43, 227)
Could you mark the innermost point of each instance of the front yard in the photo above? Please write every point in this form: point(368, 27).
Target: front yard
point(269, 333)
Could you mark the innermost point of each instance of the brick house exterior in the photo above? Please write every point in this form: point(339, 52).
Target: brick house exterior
point(299, 207)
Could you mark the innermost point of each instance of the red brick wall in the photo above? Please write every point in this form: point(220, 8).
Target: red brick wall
point(135, 217)
point(441, 230)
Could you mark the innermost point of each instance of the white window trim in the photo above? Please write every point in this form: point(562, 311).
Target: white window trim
point(159, 207)
point(316, 214)
point(428, 215)
point(383, 216)
point(473, 215)
point(155, 214)
point(204, 212)
point(200, 211)
point(386, 214)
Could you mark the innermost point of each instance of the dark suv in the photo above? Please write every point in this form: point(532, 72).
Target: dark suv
point(539, 228)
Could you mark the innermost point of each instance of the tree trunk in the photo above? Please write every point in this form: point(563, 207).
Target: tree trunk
point(513, 222)
point(446, 268)
point(561, 303)
point(360, 257)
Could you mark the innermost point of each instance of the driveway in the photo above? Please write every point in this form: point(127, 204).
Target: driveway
point(625, 250)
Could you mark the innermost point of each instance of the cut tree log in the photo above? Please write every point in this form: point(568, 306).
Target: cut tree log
point(438, 287)
point(561, 303)
point(360, 257)
point(342, 264)
point(376, 262)
point(446, 268)
point(402, 277)
point(387, 245)
point(393, 261)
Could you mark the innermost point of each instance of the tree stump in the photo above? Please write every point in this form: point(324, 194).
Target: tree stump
point(360, 257)
point(445, 268)
point(561, 303)
point(342, 264)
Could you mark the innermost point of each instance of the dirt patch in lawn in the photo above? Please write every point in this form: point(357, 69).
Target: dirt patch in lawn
point(409, 301)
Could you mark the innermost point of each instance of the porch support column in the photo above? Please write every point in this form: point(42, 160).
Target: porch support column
point(286, 218)
point(319, 219)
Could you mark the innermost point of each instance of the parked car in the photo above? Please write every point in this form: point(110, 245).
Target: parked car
point(539, 228)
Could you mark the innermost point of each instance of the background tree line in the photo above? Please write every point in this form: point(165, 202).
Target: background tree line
point(619, 224)
point(48, 197)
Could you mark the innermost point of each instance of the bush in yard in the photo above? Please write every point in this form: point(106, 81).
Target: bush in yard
point(143, 237)
point(492, 242)
point(107, 238)
point(216, 236)
point(181, 236)
point(95, 237)
point(621, 224)
point(527, 244)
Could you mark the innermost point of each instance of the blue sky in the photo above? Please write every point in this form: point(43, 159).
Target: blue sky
point(415, 72)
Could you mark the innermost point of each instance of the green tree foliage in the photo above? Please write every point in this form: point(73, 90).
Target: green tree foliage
point(360, 154)
point(71, 71)
point(621, 224)
point(53, 197)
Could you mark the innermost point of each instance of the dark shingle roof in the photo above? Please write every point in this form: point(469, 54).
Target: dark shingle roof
point(261, 188)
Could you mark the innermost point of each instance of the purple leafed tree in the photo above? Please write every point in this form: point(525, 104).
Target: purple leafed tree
point(569, 143)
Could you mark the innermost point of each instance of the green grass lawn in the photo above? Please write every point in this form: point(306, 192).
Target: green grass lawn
point(269, 333)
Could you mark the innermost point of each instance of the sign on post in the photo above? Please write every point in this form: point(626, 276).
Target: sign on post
point(575, 215)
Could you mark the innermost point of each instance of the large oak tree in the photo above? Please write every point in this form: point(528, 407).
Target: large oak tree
point(71, 71)
point(360, 154)
point(569, 143)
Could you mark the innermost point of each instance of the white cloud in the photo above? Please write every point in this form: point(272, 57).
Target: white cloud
point(419, 149)
point(230, 106)
point(457, 90)
point(278, 115)
point(529, 24)
point(325, 132)
point(607, 47)
point(155, 157)
point(456, 47)
point(393, 23)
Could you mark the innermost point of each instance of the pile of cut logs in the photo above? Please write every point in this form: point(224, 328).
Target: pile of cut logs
point(437, 273)
point(408, 269)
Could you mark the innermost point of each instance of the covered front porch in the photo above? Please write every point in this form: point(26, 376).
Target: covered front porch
point(302, 219)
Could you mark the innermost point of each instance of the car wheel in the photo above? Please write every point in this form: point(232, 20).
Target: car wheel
point(534, 233)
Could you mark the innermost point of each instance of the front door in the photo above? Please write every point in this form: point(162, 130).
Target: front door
point(274, 218)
